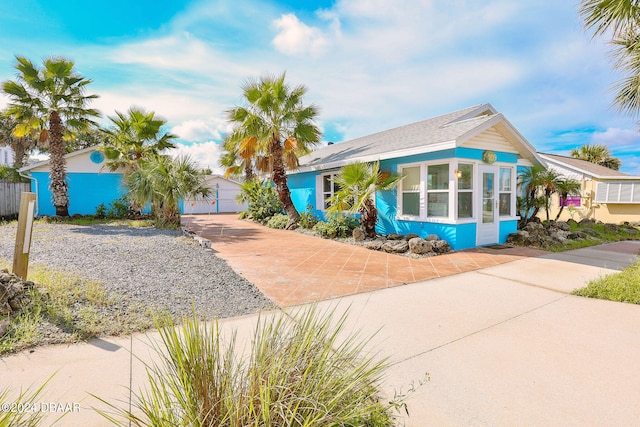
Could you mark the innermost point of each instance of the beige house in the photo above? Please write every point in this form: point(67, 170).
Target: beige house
point(607, 195)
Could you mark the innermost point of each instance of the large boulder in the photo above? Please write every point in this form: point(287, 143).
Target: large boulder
point(420, 246)
point(534, 228)
point(410, 236)
point(577, 235)
point(395, 246)
point(432, 237)
point(394, 236)
point(518, 238)
point(358, 234)
point(374, 245)
point(563, 226)
point(441, 247)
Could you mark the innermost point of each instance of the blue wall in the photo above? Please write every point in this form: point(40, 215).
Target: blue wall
point(86, 191)
point(459, 236)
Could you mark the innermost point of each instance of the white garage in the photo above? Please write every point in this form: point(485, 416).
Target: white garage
point(222, 198)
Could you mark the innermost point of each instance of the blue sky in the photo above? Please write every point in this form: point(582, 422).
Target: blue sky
point(369, 65)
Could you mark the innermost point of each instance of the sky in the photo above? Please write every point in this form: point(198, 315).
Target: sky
point(369, 65)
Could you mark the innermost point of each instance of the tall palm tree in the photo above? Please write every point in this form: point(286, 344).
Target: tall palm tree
point(51, 100)
point(238, 156)
point(566, 187)
point(621, 20)
point(548, 182)
point(275, 115)
point(598, 154)
point(358, 183)
point(134, 136)
point(530, 180)
point(21, 146)
point(162, 182)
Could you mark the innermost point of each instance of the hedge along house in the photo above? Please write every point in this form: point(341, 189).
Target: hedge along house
point(90, 183)
point(606, 195)
point(460, 176)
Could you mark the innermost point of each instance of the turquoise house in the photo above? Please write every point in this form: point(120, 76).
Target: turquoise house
point(460, 174)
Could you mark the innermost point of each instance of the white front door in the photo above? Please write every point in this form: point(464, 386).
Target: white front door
point(488, 225)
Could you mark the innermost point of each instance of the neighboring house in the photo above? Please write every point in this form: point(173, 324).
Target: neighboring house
point(606, 195)
point(6, 156)
point(90, 183)
point(223, 196)
point(459, 176)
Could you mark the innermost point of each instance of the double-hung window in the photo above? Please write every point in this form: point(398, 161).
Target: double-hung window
point(410, 187)
point(465, 190)
point(438, 190)
point(505, 189)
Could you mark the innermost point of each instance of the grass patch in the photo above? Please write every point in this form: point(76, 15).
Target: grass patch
point(301, 372)
point(68, 308)
point(621, 287)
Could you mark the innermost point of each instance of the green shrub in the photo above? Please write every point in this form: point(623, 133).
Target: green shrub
point(263, 200)
point(119, 208)
point(300, 371)
point(308, 219)
point(278, 221)
point(337, 225)
point(10, 174)
point(101, 211)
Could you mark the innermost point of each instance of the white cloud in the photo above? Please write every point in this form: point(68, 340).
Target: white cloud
point(196, 130)
point(615, 138)
point(206, 154)
point(295, 37)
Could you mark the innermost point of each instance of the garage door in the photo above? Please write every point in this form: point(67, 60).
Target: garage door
point(225, 202)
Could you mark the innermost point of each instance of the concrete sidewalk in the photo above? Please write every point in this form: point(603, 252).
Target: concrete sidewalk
point(503, 345)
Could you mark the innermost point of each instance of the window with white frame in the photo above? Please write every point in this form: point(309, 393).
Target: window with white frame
point(505, 189)
point(438, 190)
point(328, 189)
point(410, 189)
point(465, 190)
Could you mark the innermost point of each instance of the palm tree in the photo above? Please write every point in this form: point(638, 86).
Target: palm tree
point(566, 187)
point(598, 154)
point(239, 156)
point(358, 183)
point(134, 136)
point(162, 182)
point(21, 146)
point(283, 128)
point(548, 181)
point(620, 19)
point(530, 180)
point(50, 100)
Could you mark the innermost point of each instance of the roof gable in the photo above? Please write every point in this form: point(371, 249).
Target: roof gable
point(582, 167)
point(442, 132)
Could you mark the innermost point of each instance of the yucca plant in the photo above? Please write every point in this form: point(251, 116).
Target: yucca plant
point(300, 371)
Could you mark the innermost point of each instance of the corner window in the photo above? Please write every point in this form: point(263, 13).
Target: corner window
point(464, 174)
point(328, 189)
point(411, 191)
point(438, 190)
point(506, 192)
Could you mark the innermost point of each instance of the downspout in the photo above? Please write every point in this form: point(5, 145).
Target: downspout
point(29, 177)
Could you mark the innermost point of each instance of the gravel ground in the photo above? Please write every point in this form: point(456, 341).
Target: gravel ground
point(158, 268)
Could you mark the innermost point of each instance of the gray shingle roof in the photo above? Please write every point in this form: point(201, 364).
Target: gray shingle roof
point(429, 134)
point(583, 166)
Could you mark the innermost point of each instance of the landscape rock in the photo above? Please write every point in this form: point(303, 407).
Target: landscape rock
point(394, 236)
point(577, 235)
point(395, 246)
point(534, 228)
point(410, 236)
point(374, 245)
point(519, 237)
point(432, 237)
point(441, 247)
point(420, 246)
point(358, 234)
point(4, 327)
point(563, 226)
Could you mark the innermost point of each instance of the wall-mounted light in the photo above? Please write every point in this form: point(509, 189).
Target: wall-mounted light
point(457, 173)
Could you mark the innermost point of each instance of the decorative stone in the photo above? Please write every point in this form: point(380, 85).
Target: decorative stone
point(395, 236)
point(420, 246)
point(432, 237)
point(4, 327)
point(410, 236)
point(441, 246)
point(374, 245)
point(358, 234)
point(534, 228)
point(563, 226)
point(577, 235)
point(395, 246)
point(519, 237)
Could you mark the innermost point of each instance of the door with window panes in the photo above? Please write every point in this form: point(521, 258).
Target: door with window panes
point(488, 224)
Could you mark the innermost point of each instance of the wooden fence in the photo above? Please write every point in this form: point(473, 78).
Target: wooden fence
point(10, 197)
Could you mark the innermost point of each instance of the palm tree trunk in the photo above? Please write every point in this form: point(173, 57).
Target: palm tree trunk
point(248, 170)
point(279, 177)
point(369, 218)
point(58, 175)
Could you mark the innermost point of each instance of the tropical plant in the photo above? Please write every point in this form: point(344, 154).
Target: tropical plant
point(529, 181)
point(301, 371)
point(358, 183)
point(598, 154)
point(133, 137)
point(336, 225)
point(262, 199)
point(307, 218)
point(621, 20)
point(548, 184)
point(566, 187)
point(283, 128)
point(21, 146)
point(278, 221)
point(162, 182)
point(238, 156)
point(50, 100)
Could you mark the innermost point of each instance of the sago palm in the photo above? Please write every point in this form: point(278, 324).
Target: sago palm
point(358, 183)
point(283, 127)
point(134, 136)
point(50, 100)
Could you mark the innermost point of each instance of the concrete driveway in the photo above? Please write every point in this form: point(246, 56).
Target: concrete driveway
point(503, 345)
